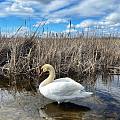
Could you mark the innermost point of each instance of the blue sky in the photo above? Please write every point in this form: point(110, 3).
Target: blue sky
point(56, 14)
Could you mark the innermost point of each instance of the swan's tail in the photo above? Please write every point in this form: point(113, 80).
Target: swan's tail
point(76, 95)
point(83, 94)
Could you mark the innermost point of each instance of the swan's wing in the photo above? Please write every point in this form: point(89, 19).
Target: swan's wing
point(63, 88)
point(66, 79)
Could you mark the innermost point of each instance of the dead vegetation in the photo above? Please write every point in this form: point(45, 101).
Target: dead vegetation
point(76, 56)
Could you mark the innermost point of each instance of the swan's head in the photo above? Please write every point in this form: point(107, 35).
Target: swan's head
point(47, 67)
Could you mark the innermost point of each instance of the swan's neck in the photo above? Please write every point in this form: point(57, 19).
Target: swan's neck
point(50, 78)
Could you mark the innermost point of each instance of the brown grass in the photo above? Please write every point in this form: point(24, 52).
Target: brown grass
point(70, 57)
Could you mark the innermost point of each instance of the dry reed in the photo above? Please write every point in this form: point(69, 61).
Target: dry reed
point(76, 56)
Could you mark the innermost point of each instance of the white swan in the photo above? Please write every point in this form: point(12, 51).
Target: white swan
point(61, 90)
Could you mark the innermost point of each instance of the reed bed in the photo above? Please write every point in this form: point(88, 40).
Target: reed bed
point(71, 57)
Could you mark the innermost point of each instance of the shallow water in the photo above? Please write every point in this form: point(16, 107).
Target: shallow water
point(19, 104)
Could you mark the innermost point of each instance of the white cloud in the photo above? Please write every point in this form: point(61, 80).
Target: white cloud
point(3, 6)
point(96, 27)
point(58, 8)
point(40, 1)
point(108, 22)
point(56, 4)
point(57, 20)
point(86, 23)
point(95, 7)
point(52, 20)
point(22, 31)
point(88, 8)
point(113, 17)
point(70, 30)
point(2, 14)
point(19, 8)
point(38, 8)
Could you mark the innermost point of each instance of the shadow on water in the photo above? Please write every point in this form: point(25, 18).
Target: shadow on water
point(66, 111)
point(66, 107)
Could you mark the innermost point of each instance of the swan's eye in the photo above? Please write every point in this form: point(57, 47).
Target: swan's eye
point(44, 69)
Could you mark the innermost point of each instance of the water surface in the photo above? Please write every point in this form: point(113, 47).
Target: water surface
point(19, 103)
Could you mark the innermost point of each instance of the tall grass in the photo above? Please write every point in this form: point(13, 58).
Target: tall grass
point(69, 56)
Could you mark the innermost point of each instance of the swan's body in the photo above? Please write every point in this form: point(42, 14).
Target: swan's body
point(61, 90)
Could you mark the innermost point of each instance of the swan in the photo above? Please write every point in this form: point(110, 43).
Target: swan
point(62, 89)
